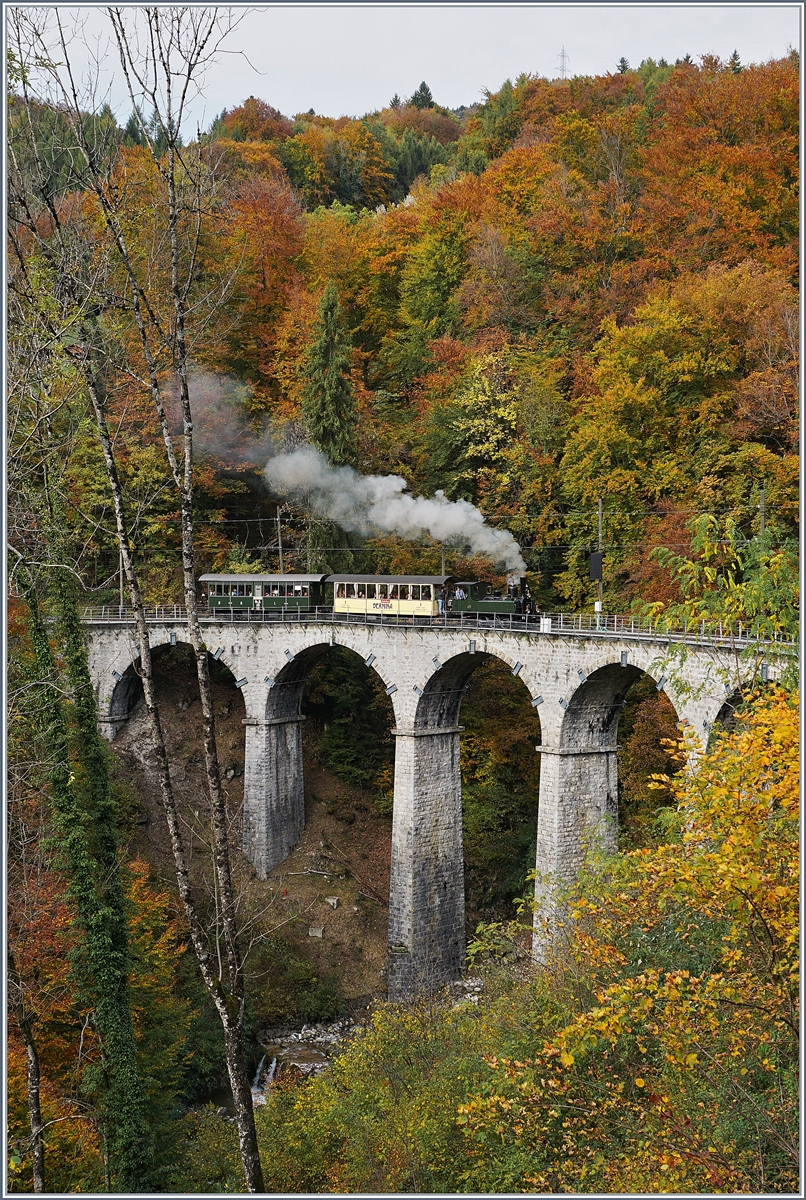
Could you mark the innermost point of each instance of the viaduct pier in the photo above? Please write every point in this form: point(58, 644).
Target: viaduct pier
point(575, 669)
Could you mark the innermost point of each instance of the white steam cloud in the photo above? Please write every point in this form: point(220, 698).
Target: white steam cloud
point(371, 503)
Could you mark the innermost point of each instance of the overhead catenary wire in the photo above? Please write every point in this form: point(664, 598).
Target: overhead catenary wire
point(749, 507)
point(291, 552)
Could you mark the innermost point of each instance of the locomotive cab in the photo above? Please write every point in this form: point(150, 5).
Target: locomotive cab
point(478, 597)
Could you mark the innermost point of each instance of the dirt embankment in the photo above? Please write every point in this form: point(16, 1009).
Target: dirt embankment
point(329, 899)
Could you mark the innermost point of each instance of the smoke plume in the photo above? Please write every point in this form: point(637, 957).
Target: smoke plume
point(224, 429)
point(379, 503)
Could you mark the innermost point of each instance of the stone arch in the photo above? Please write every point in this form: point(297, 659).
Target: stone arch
point(439, 705)
point(128, 689)
point(287, 685)
point(726, 717)
point(590, 728)
point(592, 712)
point(284, 697)
point(274, 786)
point(126, 694)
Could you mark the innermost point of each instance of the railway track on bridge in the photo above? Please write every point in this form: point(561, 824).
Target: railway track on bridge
point(565, 624)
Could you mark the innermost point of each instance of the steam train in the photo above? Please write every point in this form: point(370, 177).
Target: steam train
point(362, 595)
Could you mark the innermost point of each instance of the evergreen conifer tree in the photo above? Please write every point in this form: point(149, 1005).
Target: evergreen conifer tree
point(331, 418)
point(328, 404)
point(422, 98)
point(132, 132)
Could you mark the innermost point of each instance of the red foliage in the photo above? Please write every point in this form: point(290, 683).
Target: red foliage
point(427, 121)
point(257, 121)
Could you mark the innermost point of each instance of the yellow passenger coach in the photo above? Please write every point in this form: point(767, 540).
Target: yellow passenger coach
point(389, 595)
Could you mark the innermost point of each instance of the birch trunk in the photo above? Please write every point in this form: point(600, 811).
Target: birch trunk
point(25, 1019)
point(149, 68)
point(230, 1007)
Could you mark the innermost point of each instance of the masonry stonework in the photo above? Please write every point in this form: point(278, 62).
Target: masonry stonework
point(426, 895)
point(577, 682)
point(274, 797)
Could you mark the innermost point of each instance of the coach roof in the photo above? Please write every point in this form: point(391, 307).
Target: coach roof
point(261, 578)
point(435, 579)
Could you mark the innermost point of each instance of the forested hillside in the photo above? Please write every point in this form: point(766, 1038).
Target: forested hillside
point(576, 291)
point(582, 288)
point(587, 292)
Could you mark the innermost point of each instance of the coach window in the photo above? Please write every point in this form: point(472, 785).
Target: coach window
point(340, 591)
point(415, 591)
point(370, 591)
point(362, 591)
point(425, 591)
point(351, 591)
point(393, 592)
point(404, 591)
point(383, 591)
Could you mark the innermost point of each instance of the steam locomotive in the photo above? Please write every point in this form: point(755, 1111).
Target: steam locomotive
point(362, 595)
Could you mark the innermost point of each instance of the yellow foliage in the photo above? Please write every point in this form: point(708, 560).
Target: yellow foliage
point(679, 1077)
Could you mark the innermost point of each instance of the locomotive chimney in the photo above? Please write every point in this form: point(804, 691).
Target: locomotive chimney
point(523, 587)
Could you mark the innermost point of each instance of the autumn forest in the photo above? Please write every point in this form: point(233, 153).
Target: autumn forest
point(575, 296)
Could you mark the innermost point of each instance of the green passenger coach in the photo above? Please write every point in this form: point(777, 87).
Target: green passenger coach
point(263, 593)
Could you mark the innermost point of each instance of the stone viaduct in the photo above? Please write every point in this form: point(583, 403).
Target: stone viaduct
point(576, 678)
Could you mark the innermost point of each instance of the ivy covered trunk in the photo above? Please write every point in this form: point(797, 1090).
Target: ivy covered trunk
point(86, 819)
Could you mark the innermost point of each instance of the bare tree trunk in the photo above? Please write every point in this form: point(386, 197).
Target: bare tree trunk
point(25, 1019)
point(162, 69)
point(230, 1008)
point(170, 121)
